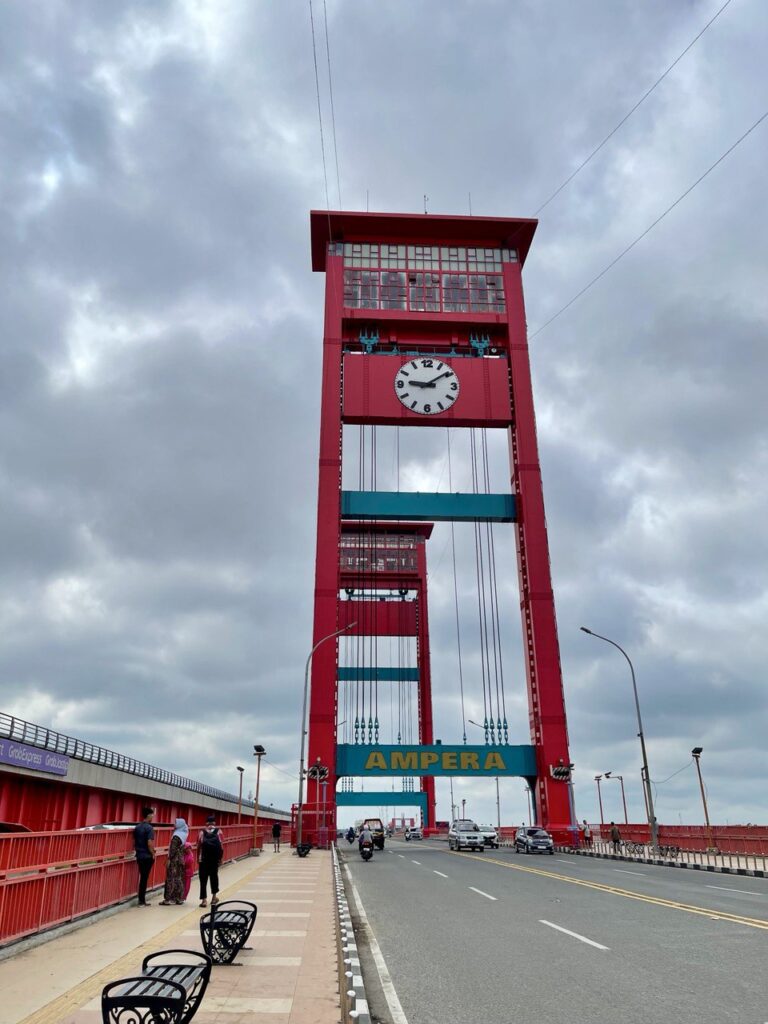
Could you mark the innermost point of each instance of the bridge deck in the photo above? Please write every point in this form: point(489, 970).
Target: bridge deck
point(289, 977)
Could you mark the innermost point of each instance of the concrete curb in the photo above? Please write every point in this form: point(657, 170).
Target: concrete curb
point(660, 862)
point(352, 995)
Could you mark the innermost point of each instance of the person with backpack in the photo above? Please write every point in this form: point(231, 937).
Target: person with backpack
point(210, 851)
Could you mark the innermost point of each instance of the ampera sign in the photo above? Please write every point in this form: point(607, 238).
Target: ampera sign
point(22, 756)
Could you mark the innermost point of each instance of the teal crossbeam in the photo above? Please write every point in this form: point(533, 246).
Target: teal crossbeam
point(425, 507)
point(377, 673)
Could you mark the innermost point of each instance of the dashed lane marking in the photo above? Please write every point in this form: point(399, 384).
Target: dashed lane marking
point(439, 873)
point(625, 872)
point(724, 888)
point(481, 893)
point(416, 862)
point(401, 855)
point(574, 935)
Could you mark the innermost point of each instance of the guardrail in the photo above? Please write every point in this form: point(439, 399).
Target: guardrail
point(744, 840)
point(51, 878)
point(673, 854)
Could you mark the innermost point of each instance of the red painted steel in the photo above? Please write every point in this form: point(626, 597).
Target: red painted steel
point(369, 393)
point(379, 618)
point(426, 731)
point(49, 878)
point(749, 840)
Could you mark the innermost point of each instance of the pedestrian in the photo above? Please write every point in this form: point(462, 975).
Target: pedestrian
point(615, 837)
point(277, 829)
point(587, 832)
point(209, 854)
point(174, 868)
point(190, 863)
point(144, 845)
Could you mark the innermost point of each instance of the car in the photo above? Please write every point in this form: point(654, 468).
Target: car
point(490, 836)
point(414, 832)
point(533, 840)
point(465, 834)
point(376, 825)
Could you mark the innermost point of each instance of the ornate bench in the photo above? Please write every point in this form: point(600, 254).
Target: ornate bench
point(168, 991)
point(226, 929)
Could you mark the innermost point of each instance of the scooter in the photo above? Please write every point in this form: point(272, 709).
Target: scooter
point(350, 837)
point(366, 849)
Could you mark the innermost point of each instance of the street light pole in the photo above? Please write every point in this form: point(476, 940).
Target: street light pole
point(696, 752)
point(641, 736)
point(498, 805)
point(600, 798)
point(610, 775)
point(240, 797)
point(304, 727)
point(258, 753)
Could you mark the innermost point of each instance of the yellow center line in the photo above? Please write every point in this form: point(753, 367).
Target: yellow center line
point(688, 908)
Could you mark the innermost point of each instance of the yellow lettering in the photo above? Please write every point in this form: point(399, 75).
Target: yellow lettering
point(405, 762)
point(494, 760)
point(428, 758)
point(450, 760)
point(376, 760)
point(469, 760)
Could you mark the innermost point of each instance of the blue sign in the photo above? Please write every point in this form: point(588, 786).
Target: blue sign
point(435, 759)
point(22, 756)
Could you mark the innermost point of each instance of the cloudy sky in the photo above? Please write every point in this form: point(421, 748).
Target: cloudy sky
point(160, 348)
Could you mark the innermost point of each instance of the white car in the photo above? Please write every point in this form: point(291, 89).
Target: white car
point(413, 833)
point(490, 836)
point(464, 834)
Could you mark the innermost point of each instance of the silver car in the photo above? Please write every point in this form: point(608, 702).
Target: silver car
point(464, 834)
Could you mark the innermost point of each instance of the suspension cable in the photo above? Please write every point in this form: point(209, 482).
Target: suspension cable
point(456, 597)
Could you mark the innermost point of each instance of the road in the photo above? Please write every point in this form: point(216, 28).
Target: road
point(498, 937)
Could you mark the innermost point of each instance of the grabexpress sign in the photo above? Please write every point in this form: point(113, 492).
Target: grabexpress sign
point(22, 756)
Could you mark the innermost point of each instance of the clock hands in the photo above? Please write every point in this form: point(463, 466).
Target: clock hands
point(431, 383)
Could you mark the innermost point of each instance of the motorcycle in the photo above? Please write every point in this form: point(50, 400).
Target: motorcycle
point(366, 849)
point(350, 837)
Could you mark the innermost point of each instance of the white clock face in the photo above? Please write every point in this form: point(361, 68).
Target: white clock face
point(426, 386)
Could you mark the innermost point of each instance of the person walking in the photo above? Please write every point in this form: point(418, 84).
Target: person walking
point(277, 830)
point(190, 863)
point(209, 854)
point(587, 833)
point(174, 868)
point(144, 845)
point(615, 837)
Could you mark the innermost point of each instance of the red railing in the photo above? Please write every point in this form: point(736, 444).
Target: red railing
point(49, 878)
point(746, 840)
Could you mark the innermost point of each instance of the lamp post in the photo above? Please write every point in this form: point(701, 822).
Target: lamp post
point(463, 808)
point(240, 797)
point(530, 812)
point(258, 753)
point(610, 775)
point(696, 753)
point(453, 805)
point(498, 804)
point(641, 736)
point(299, 813)
point(600, 798)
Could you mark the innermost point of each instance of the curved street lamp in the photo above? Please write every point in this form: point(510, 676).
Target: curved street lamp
point(610, 775)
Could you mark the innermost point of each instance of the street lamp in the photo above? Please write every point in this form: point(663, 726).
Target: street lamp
point(530, 812)
point(498, 805)
point(300, 809)
point(641, 736)
point(696, 753)
point(600, 798)
point(240, 797)
point(610, 775)
point(258, 753)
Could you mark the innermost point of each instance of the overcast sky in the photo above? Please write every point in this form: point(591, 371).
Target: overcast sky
point(160, 348)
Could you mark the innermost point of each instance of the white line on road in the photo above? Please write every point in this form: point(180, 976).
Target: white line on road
point(574, 935)
point(416, 862)
point(401, 855)
point(439, 873)
point(561, 860)
point(387, 985)
point(481, 893)
point(625, 872)
point(724, 888)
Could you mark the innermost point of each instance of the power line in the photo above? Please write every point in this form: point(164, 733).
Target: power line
point(650, 227)
point(319, 108)
point(330, 92)
point(626, 117)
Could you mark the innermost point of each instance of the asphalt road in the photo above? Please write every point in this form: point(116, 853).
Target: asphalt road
point(497, 937)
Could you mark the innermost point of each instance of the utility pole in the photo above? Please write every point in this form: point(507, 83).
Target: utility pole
point(258, 753)
point(696, 752)
point(600, 799)
point(240, 797)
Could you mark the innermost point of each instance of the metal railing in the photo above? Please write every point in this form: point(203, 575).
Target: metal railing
point(48, 739)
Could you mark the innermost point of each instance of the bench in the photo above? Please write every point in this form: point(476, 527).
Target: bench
point(226, 929)
point(168, 991)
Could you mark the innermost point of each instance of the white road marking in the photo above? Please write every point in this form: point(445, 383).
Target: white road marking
point(559, 860)
point(481, 893)
point(416, 862)
point(724, 888)
point(574, 935)
point(387, 985)
point(625, 872)
point(439, 873)
point(401, 855)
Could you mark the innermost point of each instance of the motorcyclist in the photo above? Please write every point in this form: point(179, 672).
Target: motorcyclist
point(350, 834)
point(366, 836)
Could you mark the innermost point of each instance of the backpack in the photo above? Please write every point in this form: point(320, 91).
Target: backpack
point(210, 845)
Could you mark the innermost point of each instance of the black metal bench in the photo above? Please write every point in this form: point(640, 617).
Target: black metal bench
point(168, 991)
point(226, 929)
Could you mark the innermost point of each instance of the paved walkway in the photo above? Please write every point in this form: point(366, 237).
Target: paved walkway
point(289, 977)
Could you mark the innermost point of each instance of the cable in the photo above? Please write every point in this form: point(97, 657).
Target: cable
point(651, 226)
point(319, 109)
point(626, 117)
point(330, 93)
point(456, 596)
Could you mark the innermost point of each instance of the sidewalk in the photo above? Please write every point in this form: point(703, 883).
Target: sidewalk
point(290, 976)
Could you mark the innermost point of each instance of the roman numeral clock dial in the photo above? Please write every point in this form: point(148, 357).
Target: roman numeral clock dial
point(426, 386)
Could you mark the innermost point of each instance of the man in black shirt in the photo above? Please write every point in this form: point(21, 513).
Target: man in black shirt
point(144, 844)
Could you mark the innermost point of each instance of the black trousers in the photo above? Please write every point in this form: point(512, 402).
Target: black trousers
point(208, 872)
point(144, 865)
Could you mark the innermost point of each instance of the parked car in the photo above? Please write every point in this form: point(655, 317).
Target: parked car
point(414, 832)
point(464, 834)
point(490, 836)
point(533, 840)
point(376, 825)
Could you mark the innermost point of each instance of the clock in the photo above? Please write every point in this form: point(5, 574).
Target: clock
point(426, 386)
